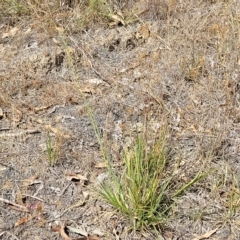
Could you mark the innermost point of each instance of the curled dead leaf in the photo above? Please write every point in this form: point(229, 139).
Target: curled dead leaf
point(75, 176)
point(61, 230)
point(117, 18)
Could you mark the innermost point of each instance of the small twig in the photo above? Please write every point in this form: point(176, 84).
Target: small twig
point(16, 134)
point(26, 195)
point(9, 234)
point(21, 207)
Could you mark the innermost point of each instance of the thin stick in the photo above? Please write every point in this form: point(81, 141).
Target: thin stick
point(26, 195)
point(21, 207)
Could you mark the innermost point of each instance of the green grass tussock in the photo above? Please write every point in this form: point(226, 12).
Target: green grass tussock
point(144, 191)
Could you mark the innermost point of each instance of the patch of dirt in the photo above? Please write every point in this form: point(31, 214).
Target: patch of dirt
point(124, 73)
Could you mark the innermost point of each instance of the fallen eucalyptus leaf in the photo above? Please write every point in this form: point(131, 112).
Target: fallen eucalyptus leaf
point(78, 230)
point(60, 229)
point(75, 176)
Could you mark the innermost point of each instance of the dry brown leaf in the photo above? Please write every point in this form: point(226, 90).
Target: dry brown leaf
point(23, 220)
point(60, 229)
point(75, 176)
point(206, 235)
